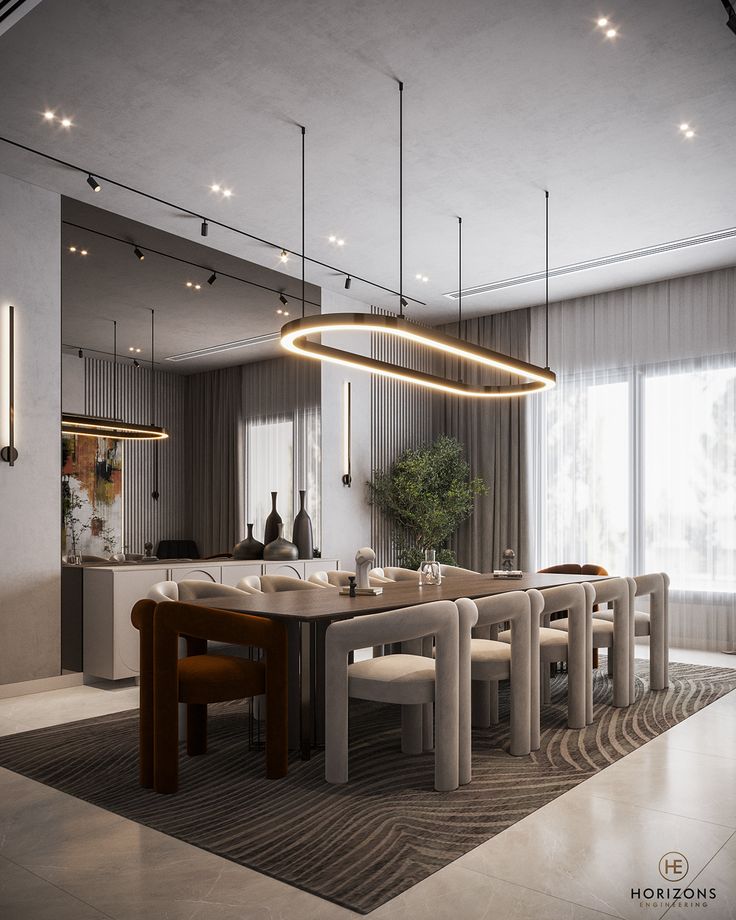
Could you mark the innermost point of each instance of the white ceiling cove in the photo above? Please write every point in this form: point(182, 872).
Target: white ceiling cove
point(502, 101)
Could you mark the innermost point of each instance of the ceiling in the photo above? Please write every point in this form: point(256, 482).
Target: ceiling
point(111, 283)
point(502, 100)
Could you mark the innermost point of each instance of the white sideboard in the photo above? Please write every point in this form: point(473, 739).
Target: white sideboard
point(109, 593)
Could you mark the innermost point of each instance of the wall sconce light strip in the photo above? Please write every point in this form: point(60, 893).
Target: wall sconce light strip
point(9, 453)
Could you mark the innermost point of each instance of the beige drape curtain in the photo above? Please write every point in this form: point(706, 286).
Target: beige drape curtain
point(221, 406)
point(494, 435)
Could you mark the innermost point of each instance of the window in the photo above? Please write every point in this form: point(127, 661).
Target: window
point(638, 472)
point(270, 468)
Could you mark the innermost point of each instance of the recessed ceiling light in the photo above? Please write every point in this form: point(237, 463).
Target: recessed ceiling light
point(72, 249)
point(684, 126)
point(286, 312)
point(197, 287)
point(332, 239)
point(602, 22)
point(341, 242)
point(226, 193)
point(279, 311)
point(189, 284)
point(611, 33)
point(215, 187)
point(66, 123)
point(49, 115)
point(689, 134)
point(83, 252)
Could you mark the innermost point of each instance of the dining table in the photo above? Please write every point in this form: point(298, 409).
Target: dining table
point(308, 615)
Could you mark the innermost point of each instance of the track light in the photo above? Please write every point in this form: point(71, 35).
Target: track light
point(136, 363)
point(283, 300)
point(138, 254)
point(284, 256)
point(404, 303)
point(731, 21)
point(80, 353)
point(348, 282)
point(93, 183)
point(205, 229)
point(212, 278)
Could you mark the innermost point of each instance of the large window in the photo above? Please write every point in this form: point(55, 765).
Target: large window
point(638, 472)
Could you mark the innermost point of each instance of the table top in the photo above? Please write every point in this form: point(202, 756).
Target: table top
point(329, 604)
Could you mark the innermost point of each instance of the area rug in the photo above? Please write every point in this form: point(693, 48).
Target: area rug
point(387, 829)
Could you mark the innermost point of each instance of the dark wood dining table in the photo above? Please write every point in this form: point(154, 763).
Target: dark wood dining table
point(309, 614)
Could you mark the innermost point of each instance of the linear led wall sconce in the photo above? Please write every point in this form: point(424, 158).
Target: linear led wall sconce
point(347, 433)
point(9, 453)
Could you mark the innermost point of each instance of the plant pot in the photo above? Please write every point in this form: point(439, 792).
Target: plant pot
point(273, 521)
point(279, 549)
point(303, 536)
point(250, 548)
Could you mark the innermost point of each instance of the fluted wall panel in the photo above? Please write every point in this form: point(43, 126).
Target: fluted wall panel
point(401, 417)
point(125, 392)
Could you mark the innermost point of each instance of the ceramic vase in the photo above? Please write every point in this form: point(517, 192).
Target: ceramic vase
point(272, 522)
point(302, 535)
point(280, 549)
point(250, 548)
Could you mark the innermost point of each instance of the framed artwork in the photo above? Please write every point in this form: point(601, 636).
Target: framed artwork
point(91, 496)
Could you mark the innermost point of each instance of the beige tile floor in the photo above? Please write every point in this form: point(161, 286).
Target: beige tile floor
point(575, 859)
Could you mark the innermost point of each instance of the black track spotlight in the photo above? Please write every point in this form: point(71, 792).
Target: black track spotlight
point(731, 21)
point(404, 303)
point(138, 254)
point(80, 353)
point(93, 183)
point(212, 278)
point(205, 229)
point(136, 363)
point(283, 300)
point(348, 282)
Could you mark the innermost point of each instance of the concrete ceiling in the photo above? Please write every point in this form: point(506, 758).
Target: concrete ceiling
point(502, 100)
point(110, 283)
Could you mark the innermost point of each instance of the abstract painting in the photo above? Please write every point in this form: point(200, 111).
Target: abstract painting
point(91, 495)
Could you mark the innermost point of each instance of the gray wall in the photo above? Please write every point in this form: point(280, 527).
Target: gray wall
point(346, 516)
point(30, 492)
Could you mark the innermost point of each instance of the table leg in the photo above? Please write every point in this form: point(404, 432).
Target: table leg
point(305, 690)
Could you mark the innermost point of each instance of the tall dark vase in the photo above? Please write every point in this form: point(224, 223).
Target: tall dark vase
point(250, 548)
point(272, 522)
point(302, 535)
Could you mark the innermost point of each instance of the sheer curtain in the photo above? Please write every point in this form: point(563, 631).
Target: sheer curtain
point(634, 452)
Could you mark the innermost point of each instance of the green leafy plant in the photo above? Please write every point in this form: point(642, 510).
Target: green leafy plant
point(426, 494)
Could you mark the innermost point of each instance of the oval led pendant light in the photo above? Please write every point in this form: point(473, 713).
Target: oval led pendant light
point(94, 426)
point(295, 334)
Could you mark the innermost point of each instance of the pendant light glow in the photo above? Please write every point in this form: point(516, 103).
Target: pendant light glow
point(95, 427)
point(294, 338)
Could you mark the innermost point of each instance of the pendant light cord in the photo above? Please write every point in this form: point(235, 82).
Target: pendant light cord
point(401, 199)
point(115, 370)
point(153, 395)
point(546, 279)
point(155, 492)
point(304, 131)
point(459, 289)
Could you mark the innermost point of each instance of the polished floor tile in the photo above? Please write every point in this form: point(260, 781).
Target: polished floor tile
point(593, 851)
point(24, 896)
point(55, 707)
point(718, 875)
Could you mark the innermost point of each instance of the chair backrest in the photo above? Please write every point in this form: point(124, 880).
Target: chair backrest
point(177, 549)
point(649, 584)
point(564, 597)
point(194, 589)
point(164, 591)
point(433, 619)
point(270, 584)
point(341, 579)
point(498, 608)
point(449, 570)
point(611, 590)
point(573, 568)
point(251, 584)
point(177, 619)
point(396, 573)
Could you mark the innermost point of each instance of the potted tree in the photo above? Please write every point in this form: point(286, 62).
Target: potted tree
point(426, 494)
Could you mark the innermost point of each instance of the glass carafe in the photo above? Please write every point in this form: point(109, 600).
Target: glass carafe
point(429, 570)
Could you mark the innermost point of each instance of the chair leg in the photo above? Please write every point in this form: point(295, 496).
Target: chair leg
point(595, 658)
point(196, 729)
point(428, 727)
point(277, 709)
point(494, 702)
point(412, 718)
point(546, 689)
point(610, 661)
point(480, 701)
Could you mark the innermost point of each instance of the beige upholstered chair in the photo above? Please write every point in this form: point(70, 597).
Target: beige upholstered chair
point(492, 661)
point(271, 584)
point(193, 590)
point(572, 645)
point(396, 573)
point(653, 624)
point(449, 570)
point(341, 579)
point(164, 591)
point(409, 679)
point(251, 584)
point(612, 633)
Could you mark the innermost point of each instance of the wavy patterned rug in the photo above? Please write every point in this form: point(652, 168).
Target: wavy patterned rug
point(363, 843)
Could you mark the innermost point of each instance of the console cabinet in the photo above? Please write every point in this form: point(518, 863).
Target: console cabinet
point(110, 642)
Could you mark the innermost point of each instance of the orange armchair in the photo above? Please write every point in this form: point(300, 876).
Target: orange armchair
point(199, 679)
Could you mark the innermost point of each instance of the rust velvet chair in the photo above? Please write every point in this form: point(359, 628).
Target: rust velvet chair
point(199, 679)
